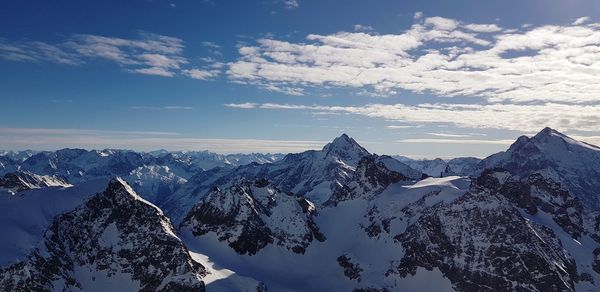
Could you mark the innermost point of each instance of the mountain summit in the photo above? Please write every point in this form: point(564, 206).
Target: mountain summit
point(573, 164)
point(345, 148)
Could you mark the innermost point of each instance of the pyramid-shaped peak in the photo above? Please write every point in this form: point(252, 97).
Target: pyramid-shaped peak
point(554, 137)
point(547, 131)
point(549, 135)
point(119, 189)
point(343, 142)
point(345, 148)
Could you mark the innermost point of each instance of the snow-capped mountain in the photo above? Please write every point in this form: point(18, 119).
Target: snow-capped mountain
point(573, 164)
point(339, 218)
point(252, 214)
point(75, 165)
point(315, 175)
point(115, 241)
point(439, 167)
point(18, 156)
point(19, 181)
point(157, 174)
point(7, 164)
point(188, 163)
point(156, 182)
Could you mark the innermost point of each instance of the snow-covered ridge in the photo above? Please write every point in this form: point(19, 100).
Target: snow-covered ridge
point(15, 182)
point(115, 240)
point(339, 218)
point(573, 164)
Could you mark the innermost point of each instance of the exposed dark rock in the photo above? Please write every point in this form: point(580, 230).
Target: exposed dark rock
point(351, 270)
point(114, 232)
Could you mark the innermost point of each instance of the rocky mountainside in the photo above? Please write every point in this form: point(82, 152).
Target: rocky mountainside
point(573, 164)
point(15, 182)
point(116, 240)
point(251, 214)
point(339, 218)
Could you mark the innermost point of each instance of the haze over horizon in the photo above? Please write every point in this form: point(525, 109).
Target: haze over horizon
point(424, 80)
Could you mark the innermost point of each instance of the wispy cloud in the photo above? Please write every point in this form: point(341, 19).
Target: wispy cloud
point(365, 28)
point(81, 132)
point(158, 71)
point(516, 117)
point(291, 4)
point(28, 51)
point(149, 54)
point(449, 135)
point(168, 107)
point(201, 74)
point(48, 139)
point(246, 105)
point(581, 20)
point(457, 141)
point(400, 127)
point(212, 48)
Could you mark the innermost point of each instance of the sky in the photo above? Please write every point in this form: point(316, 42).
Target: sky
point(417, 78)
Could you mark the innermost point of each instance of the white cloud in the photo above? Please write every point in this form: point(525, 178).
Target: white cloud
point(162, 61)
point(483, 27)
point(399, 127)
point(529, 118)
point(201, 74)
point(581, 20)
point(167, 107)
point(291, 4)
point(418, 15)
point(360, 27)
point(442, 56)
point(158, 71)
point(441, 23)
point(448, 135)
point(246, 105)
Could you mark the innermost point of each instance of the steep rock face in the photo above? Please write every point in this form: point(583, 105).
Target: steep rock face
point(252, 214)
point(537, 193)
point(15, 182)
point(573, 164)
point(116, 240)
point(370, 179)
point(481, 242)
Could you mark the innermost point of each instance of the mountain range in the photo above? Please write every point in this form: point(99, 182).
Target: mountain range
point(340, 218)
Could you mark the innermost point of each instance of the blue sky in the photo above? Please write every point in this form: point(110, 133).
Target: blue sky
point(423, 79)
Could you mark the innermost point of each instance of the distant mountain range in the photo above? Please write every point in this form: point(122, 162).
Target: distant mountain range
point(339, 218)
